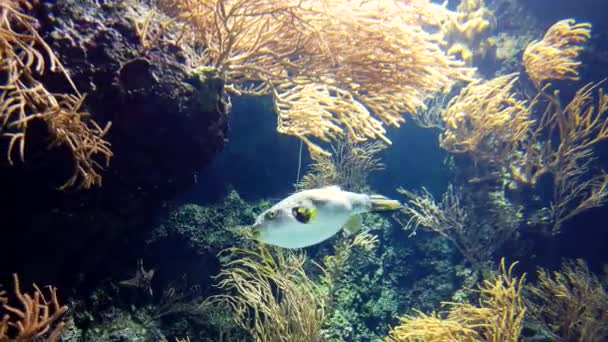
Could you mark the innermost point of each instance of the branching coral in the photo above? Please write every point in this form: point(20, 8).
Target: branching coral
point(489, 123)
point(271, 296)
point(495, 128)
point(37, 318)
point(499, 316)
point(247, 40)
point(333, 265)
point(562, 141)
point(424, 211)
point(334, 68)
point(476, 235)
point(571, 304)
point(555, 57)
point(153, 28)
point(486, 120)
point(348, 166)
point(324, 109)
point(448, 218)
point(380, 53)
point(431, 117)
point(23, 99)
point(562, 145)
point(430, 328)
point(581, 124)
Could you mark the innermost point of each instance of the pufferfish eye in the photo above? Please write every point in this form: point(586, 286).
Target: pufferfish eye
point(303, 215)
point(270, 215)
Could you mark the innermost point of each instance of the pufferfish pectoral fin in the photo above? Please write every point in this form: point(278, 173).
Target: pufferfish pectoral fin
point(353, 225)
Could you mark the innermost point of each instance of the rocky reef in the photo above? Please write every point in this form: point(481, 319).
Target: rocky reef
point(137, 250)
point(168, 120)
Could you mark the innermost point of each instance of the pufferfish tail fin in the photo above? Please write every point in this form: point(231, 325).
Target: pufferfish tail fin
point(381, 203)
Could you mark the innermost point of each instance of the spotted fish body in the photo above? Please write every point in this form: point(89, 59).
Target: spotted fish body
point(311, 216)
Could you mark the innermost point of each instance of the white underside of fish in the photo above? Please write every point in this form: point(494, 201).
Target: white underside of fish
point(303, 235)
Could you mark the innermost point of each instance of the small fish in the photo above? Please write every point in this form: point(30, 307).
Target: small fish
point(311, 216)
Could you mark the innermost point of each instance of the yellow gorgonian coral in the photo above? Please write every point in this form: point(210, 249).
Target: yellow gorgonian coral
point(486, 119)
point(270, 294)
point(349, 166)
point(555, 57)
point(34, 316)
point(498, 317)
point(431, 328)
point(336, 69)
point(570, 304)
point(24, 57)
point(500, 313)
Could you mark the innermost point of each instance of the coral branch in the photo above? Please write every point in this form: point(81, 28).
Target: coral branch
point(334, 69)
point(270, 295)
point(38, 316)
point(571, 304)
point(23, 99)
point(349, 166)
point(486, 120)
point(555, 57)
point(499, 316)
point(475, 236)
point(566, 152)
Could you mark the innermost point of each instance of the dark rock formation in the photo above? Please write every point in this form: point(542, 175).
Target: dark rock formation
point(168, 121)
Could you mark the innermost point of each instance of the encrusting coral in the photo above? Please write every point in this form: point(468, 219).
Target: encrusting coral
point(467, 30)
point(334, 263)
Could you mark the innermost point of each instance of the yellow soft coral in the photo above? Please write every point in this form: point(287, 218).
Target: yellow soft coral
point(270, 294)
point(499, 316)
point(575, 129)
point(35, 318)
point(431, 328)
point(486, 119)
point(555, 57)
point(335, 70)
point(23, 99)
point(570, 304)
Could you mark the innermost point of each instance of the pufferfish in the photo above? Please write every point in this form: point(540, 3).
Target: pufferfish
point(311, 216)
